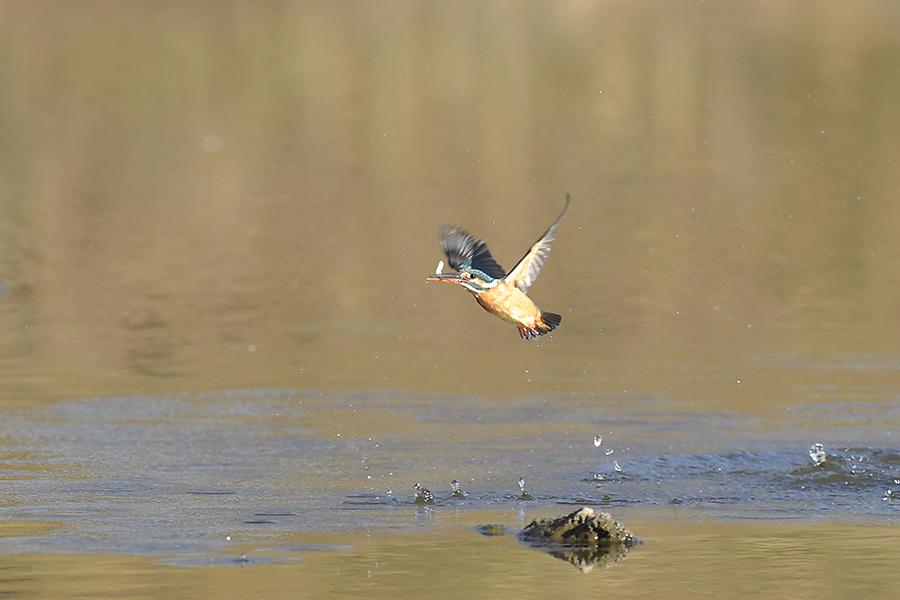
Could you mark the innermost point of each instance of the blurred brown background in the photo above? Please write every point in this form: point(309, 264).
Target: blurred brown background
point(208, 195)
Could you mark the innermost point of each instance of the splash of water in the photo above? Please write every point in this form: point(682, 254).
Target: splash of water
point(817, 453)
point(523, 495)
point(457, 493)
point(423, 495)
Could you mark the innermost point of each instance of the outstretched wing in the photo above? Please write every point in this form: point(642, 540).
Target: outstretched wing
point(524, 273)
point(465, 251)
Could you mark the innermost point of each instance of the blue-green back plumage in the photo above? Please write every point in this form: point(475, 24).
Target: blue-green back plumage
point(466, 252)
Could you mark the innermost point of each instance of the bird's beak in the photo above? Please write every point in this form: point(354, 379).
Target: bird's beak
point(447, 277)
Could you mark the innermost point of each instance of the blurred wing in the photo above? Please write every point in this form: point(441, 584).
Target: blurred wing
point(524, 273)
point(467, 251)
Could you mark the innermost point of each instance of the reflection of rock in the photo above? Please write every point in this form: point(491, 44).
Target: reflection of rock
point(588, 558)
point(583, 538)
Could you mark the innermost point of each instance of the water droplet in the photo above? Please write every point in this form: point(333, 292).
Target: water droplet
point(212, 143)
point(598, 439)
point(610, 451)
point(817, 453)
point(618, 468)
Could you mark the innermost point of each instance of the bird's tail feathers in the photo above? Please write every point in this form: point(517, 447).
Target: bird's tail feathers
point(551, 320)
point(543, 325)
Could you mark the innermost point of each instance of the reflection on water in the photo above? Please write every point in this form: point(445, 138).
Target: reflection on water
point(747, 560)
point(202, 197)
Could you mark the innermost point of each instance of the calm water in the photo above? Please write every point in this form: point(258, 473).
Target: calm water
point(222, 368)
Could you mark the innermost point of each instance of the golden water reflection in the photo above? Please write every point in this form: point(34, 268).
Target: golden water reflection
point(678, 561)
point(212, 196)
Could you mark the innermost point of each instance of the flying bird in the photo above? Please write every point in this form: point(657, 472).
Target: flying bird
point(500, 293)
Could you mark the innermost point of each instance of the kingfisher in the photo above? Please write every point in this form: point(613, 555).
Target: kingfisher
point(500, 293)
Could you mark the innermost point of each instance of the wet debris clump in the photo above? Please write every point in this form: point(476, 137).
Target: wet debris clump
point(583, 538)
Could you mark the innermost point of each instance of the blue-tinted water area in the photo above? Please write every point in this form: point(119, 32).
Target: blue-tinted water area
point(189, 474)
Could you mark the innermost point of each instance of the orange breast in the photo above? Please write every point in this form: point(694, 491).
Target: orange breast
point(510, 304)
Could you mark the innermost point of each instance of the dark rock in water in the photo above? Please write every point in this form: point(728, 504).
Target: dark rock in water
point(582, 538)
point(581, 528)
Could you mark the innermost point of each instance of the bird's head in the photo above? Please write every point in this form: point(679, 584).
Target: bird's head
point(472, 279)
point(476, 269)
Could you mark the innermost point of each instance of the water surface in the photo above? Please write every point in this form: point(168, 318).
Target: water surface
point(217, 342)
